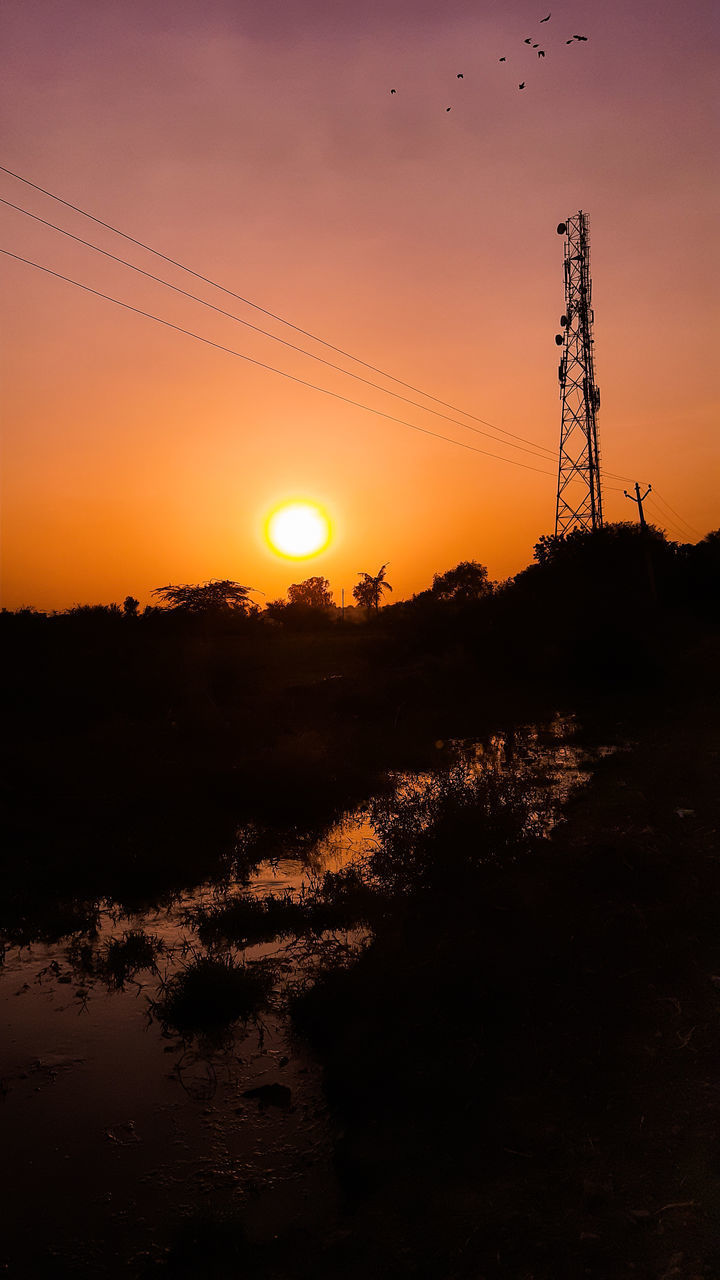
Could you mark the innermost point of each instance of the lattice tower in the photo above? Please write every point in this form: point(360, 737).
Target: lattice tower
point(579, 500)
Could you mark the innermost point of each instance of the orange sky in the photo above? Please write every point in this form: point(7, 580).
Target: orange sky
point(260, 145)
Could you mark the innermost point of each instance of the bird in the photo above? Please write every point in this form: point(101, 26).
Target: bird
point(579, 37)
point(460, 75)
point(546, 19)
point(521, 86)
point(529, 41)
point(502, 59)
point(448, 108)
point(570, 40)
point(541, 53)
point(393, 90)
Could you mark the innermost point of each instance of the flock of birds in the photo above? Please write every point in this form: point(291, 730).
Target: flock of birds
point(529, 41)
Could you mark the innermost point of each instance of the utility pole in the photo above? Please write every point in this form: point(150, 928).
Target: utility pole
point(639, 501)
point(579, 500)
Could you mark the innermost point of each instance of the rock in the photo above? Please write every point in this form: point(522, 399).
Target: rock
point(270, 1095)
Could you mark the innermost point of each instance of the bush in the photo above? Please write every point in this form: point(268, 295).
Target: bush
point(211, 993)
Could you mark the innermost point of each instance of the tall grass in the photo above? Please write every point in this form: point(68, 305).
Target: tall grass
point(436, 835)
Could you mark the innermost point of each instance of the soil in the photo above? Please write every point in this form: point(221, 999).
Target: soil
point(528, 1087)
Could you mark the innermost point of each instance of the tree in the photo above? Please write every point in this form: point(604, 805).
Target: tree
point(611, 544)
point(368, 591)
point(130, 607)
point(547, 548)
point(313, 593)
point(467, 581)
point(217, 596)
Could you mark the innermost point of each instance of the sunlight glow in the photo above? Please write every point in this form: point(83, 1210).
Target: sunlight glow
point(298, 530)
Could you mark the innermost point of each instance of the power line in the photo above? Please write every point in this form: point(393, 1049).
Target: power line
point(336, 395)
point(274, 337)
point(666, 522)
point(676, 513)
point(544, 450)
point(669, 522)
point(271, 314)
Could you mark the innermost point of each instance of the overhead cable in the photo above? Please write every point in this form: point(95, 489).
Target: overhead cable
point(535, 450)
point(256, 307)
point(535, 445)
point(336, 395)
point(676, 513)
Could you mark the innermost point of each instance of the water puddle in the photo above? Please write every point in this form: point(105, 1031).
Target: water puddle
point(121, 1128)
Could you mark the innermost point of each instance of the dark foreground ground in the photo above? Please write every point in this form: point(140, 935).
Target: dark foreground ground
point(523, 1072)
point(528, 1082)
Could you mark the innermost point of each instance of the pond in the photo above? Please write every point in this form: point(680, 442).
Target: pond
point(117, 1131)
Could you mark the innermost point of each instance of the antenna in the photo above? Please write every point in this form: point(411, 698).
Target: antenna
point(579, 501)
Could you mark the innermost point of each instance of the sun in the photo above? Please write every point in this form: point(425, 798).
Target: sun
point(298, 530)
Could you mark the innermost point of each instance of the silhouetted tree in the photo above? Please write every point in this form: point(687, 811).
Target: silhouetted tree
point(467, 581)
point(607, 546)
point(313, 593)
point(130, 607)
point(547, 547)
point(275, 609)
point(368, 591)
point(217, 596)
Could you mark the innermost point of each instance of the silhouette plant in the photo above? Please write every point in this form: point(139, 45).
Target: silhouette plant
point(218, 595)
point(437, 835)
point(467, 581)
point(211, 993)
point(368, 591)
point(313, 593)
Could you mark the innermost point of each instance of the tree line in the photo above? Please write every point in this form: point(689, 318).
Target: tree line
point(597, 559)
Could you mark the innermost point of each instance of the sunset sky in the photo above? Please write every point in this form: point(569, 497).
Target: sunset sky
point(257, 142)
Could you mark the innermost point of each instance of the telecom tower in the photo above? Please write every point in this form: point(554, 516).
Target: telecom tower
point(579, 501)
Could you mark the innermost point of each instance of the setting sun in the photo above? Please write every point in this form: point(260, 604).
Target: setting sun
point(298, 530)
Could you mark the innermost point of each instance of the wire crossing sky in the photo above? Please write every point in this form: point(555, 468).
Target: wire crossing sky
point(538, 450)
point(197, 337)
point(198, 276)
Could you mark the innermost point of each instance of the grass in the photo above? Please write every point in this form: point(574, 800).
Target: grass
point(342, 900)
point(122, 958)
point(212, 993)
point(437, 836)
point(119, 960)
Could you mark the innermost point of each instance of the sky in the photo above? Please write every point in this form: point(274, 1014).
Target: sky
point(257, 142)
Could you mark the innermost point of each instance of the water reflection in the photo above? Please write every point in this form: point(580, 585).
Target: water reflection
point(97, 1077)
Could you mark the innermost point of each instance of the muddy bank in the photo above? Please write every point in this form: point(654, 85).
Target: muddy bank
point(527, 1079)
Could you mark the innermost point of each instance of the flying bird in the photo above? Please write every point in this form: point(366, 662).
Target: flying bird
point(570, 40)
point(528, 41)
point(393, 90)
point(541, 53)
point(460, 75)
point(502, 59)
point(521, 86)
point(579, 37)
point(448, 108)
point(546, 19)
